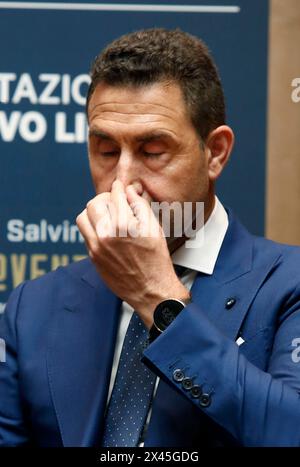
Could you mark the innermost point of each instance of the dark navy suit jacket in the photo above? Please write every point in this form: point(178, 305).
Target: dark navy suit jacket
point(60, 333)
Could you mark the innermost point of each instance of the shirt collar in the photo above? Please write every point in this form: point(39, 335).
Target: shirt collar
point(206, 244)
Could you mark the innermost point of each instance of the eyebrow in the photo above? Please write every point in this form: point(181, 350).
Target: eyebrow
point(153, 135)
point(144, 138)
point(100, 134)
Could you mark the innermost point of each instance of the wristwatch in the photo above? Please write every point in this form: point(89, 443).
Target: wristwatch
point(164, 315)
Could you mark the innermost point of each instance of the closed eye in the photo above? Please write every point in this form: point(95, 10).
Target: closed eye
point(152, 154)
point(153, 148)
point(109, 153)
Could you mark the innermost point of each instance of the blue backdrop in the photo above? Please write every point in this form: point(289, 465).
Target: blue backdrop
point(45, 57)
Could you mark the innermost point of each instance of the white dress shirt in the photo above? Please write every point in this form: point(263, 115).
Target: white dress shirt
point(200, 258)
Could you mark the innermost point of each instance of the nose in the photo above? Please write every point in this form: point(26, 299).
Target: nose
point(127, 169)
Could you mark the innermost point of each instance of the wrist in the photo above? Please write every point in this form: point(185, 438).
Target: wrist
point(147, 308)
point(164, 315)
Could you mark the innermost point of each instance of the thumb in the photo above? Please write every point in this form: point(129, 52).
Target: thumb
point(136, 193)
point(135, 198)
point(138, 188)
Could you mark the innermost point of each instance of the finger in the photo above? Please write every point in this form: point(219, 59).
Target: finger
point(97, 208)
point(145, 195)
point(141, 192)
point(87, 231)
point(134, 228)
point(138, 188)
point(99, 215)
point(143, 213)
point(120, 210)
point(135, 200)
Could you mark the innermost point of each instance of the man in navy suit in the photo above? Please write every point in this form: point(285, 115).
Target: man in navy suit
point(222, 352)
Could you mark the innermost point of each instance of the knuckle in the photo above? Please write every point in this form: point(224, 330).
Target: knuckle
point(105, 196)
point(78, 220)
point(92, 255)
point(89, 203)
point(93, 249)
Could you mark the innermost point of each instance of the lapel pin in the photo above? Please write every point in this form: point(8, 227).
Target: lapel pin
point(230, 302)
point(240, 341)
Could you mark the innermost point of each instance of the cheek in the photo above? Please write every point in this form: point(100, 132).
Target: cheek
point(102, 178)
point(164, 184)
point(154, 186)
point(100, 165)
point(162, 188)
point(191, 181)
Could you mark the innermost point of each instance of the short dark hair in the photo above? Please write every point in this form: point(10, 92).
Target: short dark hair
point(155, 55)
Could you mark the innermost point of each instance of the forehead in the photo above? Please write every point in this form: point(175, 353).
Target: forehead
point(156, 103)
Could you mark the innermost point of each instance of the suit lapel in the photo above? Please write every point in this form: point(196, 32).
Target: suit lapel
point(238, 275)
point(81, 344)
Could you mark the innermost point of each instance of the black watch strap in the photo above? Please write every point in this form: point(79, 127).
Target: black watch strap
point(153, 333)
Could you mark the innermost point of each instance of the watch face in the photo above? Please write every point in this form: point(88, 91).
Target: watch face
point(166, 312)
point(167, 315)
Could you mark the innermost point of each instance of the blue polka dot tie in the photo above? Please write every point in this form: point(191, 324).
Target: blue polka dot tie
point(132, 392)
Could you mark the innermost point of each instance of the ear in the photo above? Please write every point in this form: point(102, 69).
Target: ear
point(219, 145)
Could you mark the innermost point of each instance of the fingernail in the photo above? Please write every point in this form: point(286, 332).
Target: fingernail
point(146, 196)
point(137, 187)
